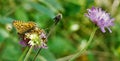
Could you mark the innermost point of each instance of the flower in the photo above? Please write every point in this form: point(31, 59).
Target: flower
point(100, 18)
point(36, 38)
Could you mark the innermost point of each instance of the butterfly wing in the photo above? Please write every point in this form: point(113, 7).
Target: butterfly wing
point(22, 27)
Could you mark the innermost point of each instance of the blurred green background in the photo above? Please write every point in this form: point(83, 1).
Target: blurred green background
point(69, 36)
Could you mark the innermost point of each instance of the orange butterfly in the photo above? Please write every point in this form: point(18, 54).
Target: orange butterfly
point(23, 27)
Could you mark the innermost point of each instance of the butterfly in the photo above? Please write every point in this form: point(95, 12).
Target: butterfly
point(23, 27)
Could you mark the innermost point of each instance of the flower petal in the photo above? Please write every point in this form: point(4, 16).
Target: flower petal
point(100, 18)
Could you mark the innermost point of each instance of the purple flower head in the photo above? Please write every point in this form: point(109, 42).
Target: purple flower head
point(100, 18)
point(24, 42)
point(38, 40)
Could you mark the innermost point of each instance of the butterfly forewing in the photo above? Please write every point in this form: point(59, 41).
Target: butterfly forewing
point(22, 27)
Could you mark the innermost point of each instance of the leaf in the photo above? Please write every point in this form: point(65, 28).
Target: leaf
point(42, 20)
point(5, 20)
point(55, 4)
point(69, 9)
point(10, 53)
point(43, 9)
point(60, 46)
point(47, 55)
point(21, 14)
point(91, 56)
point(3, 34)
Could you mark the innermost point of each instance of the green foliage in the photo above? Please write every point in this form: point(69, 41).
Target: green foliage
point(3, 34)
point(58, 44)
point(21, 14)
point(64, 41)
point(48, 55)
point(43, 9)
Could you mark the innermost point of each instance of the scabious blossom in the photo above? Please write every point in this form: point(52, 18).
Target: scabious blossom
point(100, 18)
point(36, 38)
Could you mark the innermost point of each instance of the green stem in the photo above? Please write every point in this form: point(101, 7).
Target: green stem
point(25, 51)
point(56, 19)
point(83, 50)
point(28, 53)
point(37, 54)
point(51, 30)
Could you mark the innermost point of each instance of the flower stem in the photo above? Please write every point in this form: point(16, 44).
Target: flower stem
point(83, 49)
point(25, 51)
point(56, 19)
point(28, 53)
point(37, 54)
point(51, 30)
